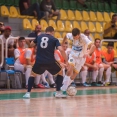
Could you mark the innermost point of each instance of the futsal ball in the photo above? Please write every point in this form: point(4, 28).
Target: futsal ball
point(71, 91)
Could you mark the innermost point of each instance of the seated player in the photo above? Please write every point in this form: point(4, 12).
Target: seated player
point(77, 55)
point(45, 60)
point(90, 65)
point(110, 56)
point(101, 66)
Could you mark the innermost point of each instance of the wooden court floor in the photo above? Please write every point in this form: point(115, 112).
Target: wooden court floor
point(89, 102)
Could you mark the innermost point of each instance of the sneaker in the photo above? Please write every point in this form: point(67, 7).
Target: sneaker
point(86, 85)
point(99, 82)
point(107, 84)
point(46, 85)
point(73, 84)
point(41, 86)
point(27, 95)
point(95, 84)
point(60, 94)
point(53, 85)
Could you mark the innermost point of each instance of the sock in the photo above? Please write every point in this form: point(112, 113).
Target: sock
point(70, 81)
point(51, 78)
point(27, 74)
point(30, 83)
point(43, 78)
point(66, 81)
point(37, 79)
point(94, 75)
point(108, 74)
point(59, 80)
point(83, 75)
point(101, 70)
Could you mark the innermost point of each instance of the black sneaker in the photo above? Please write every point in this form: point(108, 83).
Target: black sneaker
point(53, 85)
point(95, 84)
point(99, 82)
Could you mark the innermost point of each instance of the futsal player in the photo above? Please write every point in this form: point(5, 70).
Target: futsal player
point(77, 55)
point(46, 44)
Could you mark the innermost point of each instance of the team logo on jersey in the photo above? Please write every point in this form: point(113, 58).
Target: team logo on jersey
point(71, 60)
point(77, 48)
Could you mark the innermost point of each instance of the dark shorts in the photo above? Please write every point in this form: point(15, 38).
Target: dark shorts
point(53, 68)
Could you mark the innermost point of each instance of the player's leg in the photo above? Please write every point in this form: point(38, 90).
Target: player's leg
point(43, 77)
point(20, 67)
point(27, 74)
point(100, 73)
point(107, 68)
point(59, 80)
point(83, 75)
point(37, 69)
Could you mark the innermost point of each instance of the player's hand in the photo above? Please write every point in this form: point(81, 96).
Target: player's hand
point(95, 67)
point(67, 65)
point(63, 65)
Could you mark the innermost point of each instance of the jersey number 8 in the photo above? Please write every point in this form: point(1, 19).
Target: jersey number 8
point(44, 42)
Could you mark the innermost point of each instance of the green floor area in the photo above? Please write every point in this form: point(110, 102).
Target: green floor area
point(12, 96)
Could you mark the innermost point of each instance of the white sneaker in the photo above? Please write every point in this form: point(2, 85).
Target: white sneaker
point(59, 94)
point(27, 95)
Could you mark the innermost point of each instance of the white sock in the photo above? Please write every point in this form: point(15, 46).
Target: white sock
point(94, 75)
point(51, 78)
point(27, 74)
point(37, 79)
point(108, 75)
point(83, 75)
point(43, 78)
point(101, 70)
point(66, 82)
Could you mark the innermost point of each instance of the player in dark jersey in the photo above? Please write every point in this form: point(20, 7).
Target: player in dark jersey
point(45, 60)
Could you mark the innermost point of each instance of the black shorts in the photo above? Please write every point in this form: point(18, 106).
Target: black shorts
point(53, 68)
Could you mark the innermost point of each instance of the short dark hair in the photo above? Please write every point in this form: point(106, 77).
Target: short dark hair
point(97, 39)
point(49, 29)
point(114, 15)
point(75, 32)
point(110, 44)
point(21, 38)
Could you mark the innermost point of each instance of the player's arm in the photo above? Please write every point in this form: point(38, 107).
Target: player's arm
point(63, 53)
point(92, 48)
point(67, 36)
point(33, 43)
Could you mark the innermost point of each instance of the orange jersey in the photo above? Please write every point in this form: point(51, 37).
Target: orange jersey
point(98, 54)
point(60, 56)
point(109, 57)
point(91, 59)
point(22, 57)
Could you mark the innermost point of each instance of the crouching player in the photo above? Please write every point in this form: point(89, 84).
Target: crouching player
point(77, 55)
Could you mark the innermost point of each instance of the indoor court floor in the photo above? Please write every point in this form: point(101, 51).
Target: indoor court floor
point(89, 102)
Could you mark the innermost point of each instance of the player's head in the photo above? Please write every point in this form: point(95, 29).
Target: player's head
point(76, 33)
point(110, 47)
point(38, 28)
point(65, 46)
point(50, 30)
point(21, 42)
point(87, 32)
point(114, 18)
point(97, 42)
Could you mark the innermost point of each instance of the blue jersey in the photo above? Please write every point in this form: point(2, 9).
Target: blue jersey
point(46, 45)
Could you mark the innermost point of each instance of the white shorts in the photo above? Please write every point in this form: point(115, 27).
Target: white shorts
point(18, 66)
point(77, 63)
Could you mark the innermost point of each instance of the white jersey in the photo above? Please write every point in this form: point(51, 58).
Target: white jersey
point(79, 47)
point(10, 42)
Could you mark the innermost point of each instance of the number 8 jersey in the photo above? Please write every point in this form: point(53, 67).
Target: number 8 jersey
point(79, 47)
point(46, 45)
